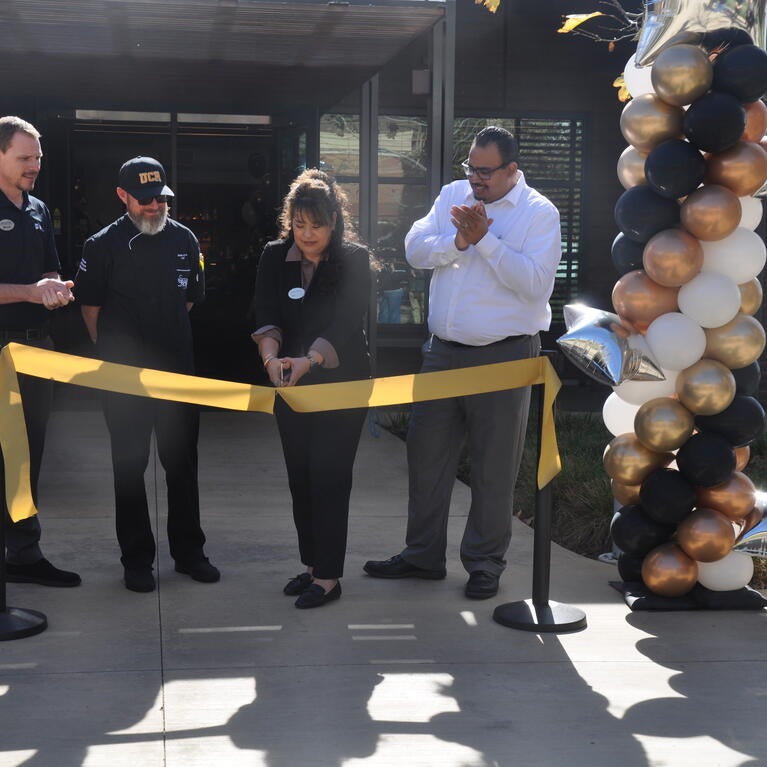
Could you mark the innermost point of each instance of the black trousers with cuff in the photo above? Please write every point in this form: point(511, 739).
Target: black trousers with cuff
point(319, 450)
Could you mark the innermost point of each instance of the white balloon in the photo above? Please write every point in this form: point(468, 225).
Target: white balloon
point(618, 415)
point(752, 212)
point(676, 341)
point(739, 256)
point(638, 79)
point(639, 392)
point(733, 572)
point(710, 299)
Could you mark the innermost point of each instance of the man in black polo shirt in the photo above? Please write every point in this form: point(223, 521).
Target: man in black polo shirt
point(137, 280)
point(30, 286)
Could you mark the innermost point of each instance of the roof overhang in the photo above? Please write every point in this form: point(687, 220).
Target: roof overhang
point(258, 53)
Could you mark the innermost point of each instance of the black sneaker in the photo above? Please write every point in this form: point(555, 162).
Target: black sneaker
point(199, 570)
point(482, 585)
point(139, 579)
point(41, 572)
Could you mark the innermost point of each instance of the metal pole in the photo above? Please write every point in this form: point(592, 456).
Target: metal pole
point(539, 614)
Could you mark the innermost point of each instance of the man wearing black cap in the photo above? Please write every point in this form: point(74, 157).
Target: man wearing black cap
point(137, 280)
point(30, 287)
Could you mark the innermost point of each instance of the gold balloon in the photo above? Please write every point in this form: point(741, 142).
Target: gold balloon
point(631, 167)
point(756, 121)
point(735, 498)
point(737, 344)
point(668, 571)
point(673, 257)
point(625, 494)
point(646, 121)
point(742, 168)
point(742, 457)
point(706, 388)
point(711, 212)
point(706, 535)
point(681, 74)
point(640, 300)
point(750, 296)
point(628, 461)
point(663, 424)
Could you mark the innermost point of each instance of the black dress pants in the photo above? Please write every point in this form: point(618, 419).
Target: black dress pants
point(130, 421)
point(319, 450)
point(22, 539)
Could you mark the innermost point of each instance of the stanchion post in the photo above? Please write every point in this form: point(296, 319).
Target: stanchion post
point(15, 622)
point(540, 614)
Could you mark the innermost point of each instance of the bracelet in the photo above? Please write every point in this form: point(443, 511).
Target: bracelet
point(312, 361)
point(269, 358)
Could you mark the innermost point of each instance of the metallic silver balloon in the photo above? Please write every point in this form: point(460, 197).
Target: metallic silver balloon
point(600, 345)
point(668, 22)
point(754, 541)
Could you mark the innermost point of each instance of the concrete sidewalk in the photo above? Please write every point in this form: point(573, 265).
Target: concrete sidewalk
point(406, 673)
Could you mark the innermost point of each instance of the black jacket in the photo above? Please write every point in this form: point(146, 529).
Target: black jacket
point(334, 307)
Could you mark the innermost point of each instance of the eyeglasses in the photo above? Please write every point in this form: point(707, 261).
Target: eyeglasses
point(483, 173)
point(161, 198)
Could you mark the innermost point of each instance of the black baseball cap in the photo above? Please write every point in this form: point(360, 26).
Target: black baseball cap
point(143, 177)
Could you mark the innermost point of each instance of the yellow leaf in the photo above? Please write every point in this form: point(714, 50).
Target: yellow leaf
point(623, 91)
point(491, 5)
point(573, 20)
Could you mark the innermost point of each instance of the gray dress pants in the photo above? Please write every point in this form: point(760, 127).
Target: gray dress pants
point(494, 425)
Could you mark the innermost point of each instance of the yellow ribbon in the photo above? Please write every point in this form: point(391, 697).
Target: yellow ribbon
point(143, 382)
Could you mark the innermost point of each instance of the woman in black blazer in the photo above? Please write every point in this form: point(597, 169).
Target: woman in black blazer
point(311, 299)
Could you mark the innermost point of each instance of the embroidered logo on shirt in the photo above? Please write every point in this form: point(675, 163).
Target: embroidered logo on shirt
point(6, 225)
point(183, 281)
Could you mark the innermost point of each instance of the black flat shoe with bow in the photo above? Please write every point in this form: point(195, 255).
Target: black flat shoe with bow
point(316, 596)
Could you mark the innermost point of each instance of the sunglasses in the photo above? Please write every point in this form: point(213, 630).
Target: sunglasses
point(161, 198)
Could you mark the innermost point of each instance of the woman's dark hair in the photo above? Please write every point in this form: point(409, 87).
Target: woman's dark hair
point(507, 145)
point(317, 195)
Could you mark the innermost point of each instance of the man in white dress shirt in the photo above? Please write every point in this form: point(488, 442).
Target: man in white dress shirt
point(493, 244)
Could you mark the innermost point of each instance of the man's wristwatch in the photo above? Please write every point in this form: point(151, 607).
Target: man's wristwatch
point(312, 361)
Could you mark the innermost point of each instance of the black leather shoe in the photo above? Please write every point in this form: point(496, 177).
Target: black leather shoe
point(41, 572)
point(200, 570)
point(298, 585)
point(316, 596)
point(397, 567)
point(482, 585)
point(139, 579)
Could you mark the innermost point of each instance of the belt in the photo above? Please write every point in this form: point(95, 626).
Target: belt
point(459, 345)
point(29, 334)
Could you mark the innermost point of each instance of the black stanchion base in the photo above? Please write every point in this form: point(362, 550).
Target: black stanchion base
point(16, 623)
point(549, 618)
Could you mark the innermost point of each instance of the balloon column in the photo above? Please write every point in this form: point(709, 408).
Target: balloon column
point(688, 260)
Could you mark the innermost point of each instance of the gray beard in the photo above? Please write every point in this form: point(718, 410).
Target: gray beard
point(145, 226)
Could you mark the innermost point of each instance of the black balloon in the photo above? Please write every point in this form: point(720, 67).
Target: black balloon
point(626, 255)
point(666, 496)
point(714, 122)
point(740, 423)
point(675, 168)
point(742, 72)
point(641, 212)
point(630, 567)
point(747, 379)
point(636, 533)
point(726, 37)
point(706, 459)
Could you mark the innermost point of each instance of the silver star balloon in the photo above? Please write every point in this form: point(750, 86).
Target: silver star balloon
point(754, 541)
point(668, 22)
point(600, 345)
